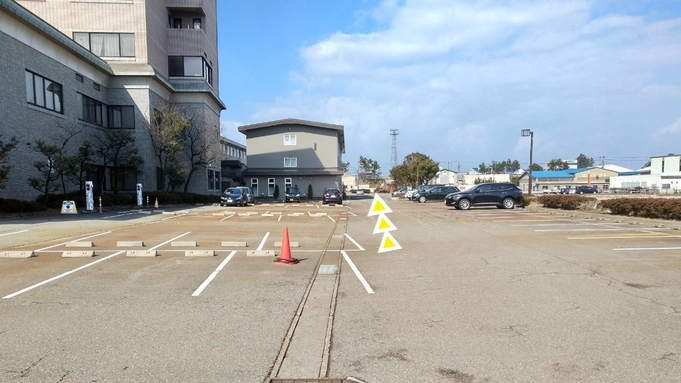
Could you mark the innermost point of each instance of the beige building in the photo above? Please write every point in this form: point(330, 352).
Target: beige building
point(105, 65)
point(293, 152)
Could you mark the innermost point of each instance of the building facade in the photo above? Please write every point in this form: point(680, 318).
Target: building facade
point(77, 72)
point(662, 176)
point(293, 152)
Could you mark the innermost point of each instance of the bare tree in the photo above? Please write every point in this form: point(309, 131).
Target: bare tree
point(201, 145)
point(166, 131)
point(119, 152)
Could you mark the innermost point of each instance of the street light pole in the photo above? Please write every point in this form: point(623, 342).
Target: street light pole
point(526, 133)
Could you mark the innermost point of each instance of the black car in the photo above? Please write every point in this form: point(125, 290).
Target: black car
point(332, 195)
point(585, 190)
point(435, 193)
point(292, 194)
point(501, 195)
point(235, 196)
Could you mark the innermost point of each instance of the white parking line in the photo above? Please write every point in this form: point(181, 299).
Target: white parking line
point(227, 217)
point(262, 243)
point(355, 242)
point(168, 241)
point(646, 248)
point(61, 275)
point(357, 273)
point(14, 232)
point(213, 275)
point(329, 217)
point(76, 240)
point(634, 236)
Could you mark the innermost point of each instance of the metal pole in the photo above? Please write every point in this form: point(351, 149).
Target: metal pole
point(531, 144)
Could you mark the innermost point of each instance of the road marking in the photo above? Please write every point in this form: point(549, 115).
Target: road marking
point(213, 275)
point(14, 232)
point(262, 243)
point(357, 273)
point(629, 236)
point(548, 224)
point(279, 219)
point(647, 248)
point(642, 229)
point(227, 217)
point(526, 220)
point(168, 241)
point(329, 217)
point(353, 241)
point(80, 239)
point(61, 275)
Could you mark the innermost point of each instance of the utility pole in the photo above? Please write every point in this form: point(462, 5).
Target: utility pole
point(394, 133)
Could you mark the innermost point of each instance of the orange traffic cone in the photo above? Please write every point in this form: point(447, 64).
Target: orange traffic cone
point(285, 254)
point(156, 203)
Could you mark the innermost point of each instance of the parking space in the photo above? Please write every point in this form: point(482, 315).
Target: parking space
point(563, 292)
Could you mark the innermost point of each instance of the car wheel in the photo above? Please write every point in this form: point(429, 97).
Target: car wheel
point(464, 204)
point(508, 203)
point(422, 199)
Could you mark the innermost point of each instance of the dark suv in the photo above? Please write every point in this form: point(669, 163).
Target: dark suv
point(292, 194)
point(585, 190)
point(435, 193)
point(502, 195)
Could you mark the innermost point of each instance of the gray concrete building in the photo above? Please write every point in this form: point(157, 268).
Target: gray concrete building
point(293, 152)
point(88, 70)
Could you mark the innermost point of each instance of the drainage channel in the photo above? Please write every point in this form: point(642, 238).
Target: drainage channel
point(307, 345)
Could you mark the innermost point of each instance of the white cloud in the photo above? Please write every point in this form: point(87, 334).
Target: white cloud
point(669, 130)
point(461, 79)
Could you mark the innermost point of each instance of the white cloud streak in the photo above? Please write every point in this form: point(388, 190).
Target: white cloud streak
point(460, 79)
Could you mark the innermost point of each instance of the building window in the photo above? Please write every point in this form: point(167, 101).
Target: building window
point(107, 44)
point(289, 139)
point(122, 117)
point(43, 92)
point(288, 182)
point(254, 186)
point(98, 113)
point(290, 162)
point(189, 66)
point(96, 86)
point(270, 187)
point(177, 23)
point(79, 77)
point(213, 179)
point(197, 23)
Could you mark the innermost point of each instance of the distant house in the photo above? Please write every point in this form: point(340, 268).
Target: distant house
point(293, 152)
point(598, 177)
point(233, 164)
point(662, 176)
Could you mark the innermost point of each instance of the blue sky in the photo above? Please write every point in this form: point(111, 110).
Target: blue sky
point(460, 79)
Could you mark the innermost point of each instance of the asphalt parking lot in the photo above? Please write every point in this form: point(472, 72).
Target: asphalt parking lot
point(484, 295)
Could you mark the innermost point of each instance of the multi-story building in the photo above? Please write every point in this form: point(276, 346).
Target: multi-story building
point(662, 176)
point(293, 152)
point(233, 164)
point(92, 67)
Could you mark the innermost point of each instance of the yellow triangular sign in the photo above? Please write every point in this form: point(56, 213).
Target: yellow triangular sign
point(388, 243)
point(383, 224)
point(378, 206)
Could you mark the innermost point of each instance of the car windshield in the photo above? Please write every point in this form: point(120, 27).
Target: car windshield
point(332, 191)
point(233, 191)
point(292, 190)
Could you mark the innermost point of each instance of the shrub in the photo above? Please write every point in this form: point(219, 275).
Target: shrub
point(565, 202)
point(666, 208)
point(13, 206)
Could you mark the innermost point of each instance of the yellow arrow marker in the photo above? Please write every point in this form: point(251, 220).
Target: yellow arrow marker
point(383, 224)
point(378, 206)
point(388, 243)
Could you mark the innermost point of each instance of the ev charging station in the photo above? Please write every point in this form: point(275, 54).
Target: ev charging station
point(89, 196)
point(139, 194)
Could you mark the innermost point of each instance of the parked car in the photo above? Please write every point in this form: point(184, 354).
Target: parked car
point(234, 196)
point(411, 193)
point(400, 193)
point(435, 193)
point(332, 195)
point(360, 191)
point(292, 194)
point(247, 192)
point(501, 195)
point(583, 189)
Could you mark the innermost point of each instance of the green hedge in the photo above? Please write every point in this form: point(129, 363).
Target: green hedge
point(13, 206)
point(665, 208)
point(565, 202)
